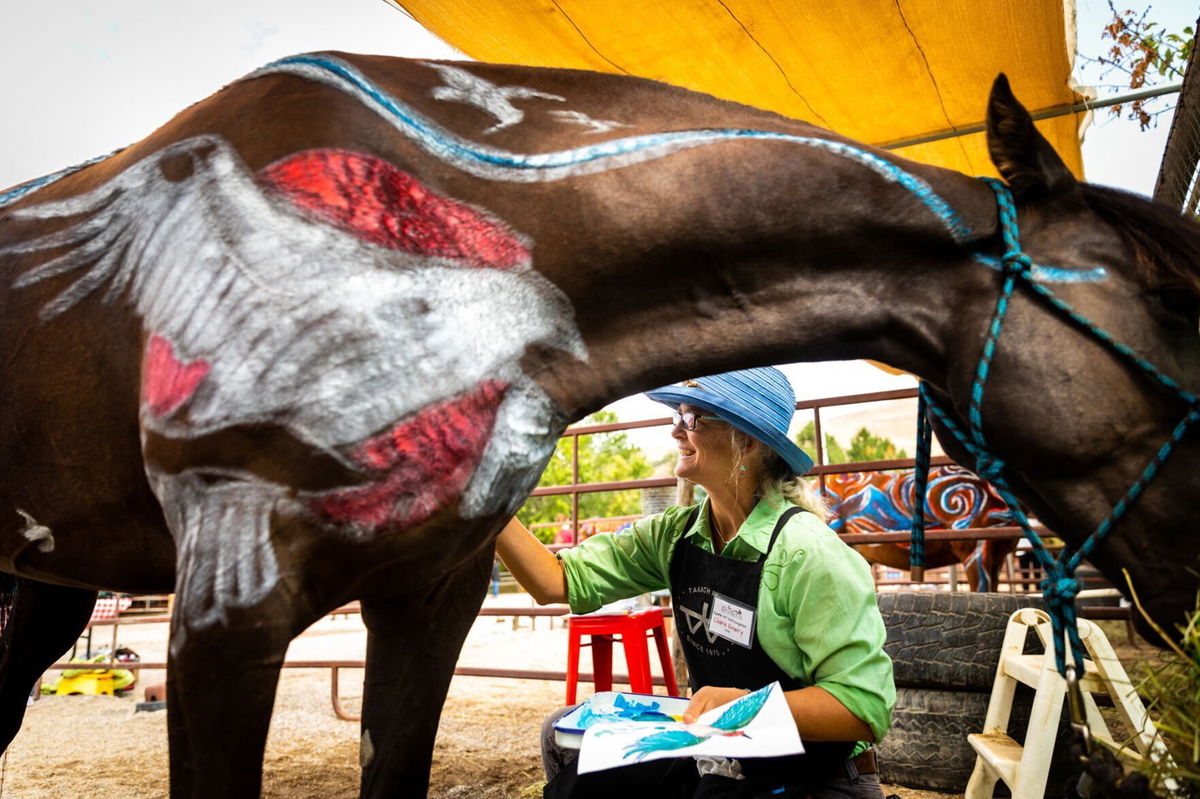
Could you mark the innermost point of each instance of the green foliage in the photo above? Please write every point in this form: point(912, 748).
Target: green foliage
point(603, 457)
point(1140, 50)
point(864, 446)
point(806, 439)
point(1172, 690)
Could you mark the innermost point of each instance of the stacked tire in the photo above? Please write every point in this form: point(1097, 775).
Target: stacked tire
point(944, 648)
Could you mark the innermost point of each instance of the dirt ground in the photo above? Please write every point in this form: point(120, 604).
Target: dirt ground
point(99, 747)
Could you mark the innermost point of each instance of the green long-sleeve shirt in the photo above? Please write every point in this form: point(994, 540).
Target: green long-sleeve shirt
point(817, 617)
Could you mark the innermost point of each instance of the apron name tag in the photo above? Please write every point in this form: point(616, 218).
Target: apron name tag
point(732, 620)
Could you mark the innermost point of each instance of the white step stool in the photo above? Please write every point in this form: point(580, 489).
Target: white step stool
point(1025, 769)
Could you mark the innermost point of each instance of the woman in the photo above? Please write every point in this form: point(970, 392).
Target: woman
point(758, 541)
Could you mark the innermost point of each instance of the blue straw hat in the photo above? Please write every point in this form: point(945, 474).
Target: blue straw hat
point(759, 402)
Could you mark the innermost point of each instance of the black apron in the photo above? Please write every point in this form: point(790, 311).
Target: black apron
point(696, 575)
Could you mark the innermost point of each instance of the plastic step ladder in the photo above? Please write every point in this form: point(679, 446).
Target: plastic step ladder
point(1025, 769)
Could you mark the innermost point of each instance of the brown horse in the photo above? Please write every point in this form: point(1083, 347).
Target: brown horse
point(878, 502)
point(314, 339)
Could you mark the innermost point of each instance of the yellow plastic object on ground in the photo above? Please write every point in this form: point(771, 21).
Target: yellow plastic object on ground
point(89, 682)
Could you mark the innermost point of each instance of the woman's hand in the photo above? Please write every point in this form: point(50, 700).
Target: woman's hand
point(707, 698)
point(818, 715)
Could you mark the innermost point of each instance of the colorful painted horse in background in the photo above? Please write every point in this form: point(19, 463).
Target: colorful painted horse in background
point(882, 502)
point(314, 340)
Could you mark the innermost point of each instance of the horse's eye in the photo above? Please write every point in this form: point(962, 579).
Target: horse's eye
point(1175, 306)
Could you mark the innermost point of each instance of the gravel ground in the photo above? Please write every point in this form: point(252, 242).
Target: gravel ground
point(98, 747)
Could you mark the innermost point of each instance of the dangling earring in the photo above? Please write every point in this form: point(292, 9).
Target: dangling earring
point(743, 468)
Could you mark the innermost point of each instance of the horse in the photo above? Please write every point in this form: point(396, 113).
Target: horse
point(877, 502)
point(314, 339)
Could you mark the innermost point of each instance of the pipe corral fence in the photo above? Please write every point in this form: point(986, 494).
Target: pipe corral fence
point(1015, 580)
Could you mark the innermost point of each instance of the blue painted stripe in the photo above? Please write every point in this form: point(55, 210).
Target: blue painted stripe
point(1050, 274)
point(19, 191)
point(465, 154)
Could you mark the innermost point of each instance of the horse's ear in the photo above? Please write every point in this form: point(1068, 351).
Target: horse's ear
point(1021, 154)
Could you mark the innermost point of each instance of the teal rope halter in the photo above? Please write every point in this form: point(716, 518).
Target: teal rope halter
point(1060, 585)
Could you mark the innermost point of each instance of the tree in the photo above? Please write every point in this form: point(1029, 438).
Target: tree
point(1140, 50)
point(864, 446)
point(806, 439)
point(603, 457)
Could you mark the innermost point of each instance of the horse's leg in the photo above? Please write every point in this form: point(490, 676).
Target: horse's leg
point(984, 562)
point(413, 643)
point(43, 623)
point(973, 563)
point(220, 692)
point(993, 553)
point(221, 683)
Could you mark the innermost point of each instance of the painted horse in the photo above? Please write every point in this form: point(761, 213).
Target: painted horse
point(315, 338)
point(880, 502)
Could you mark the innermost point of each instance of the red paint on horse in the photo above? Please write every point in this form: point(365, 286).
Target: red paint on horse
point(427, 462)
point(167, 382)
point(378, 203)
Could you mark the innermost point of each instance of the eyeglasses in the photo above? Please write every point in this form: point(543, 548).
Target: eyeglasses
point(689, 419)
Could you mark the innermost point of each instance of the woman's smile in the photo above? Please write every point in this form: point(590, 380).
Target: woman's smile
point(704, 453)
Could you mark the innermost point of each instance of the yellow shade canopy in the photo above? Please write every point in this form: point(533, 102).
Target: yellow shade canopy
point(878, 71)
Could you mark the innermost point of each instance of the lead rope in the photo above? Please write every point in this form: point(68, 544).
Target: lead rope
point(916, 550)
point(1060, 585)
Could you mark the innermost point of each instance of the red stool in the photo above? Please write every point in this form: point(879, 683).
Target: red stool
point(633, 628)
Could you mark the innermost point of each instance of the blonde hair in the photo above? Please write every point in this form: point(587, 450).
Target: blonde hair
point(776, 482)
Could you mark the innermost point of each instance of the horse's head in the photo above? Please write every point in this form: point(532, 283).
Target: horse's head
point(1078, 423)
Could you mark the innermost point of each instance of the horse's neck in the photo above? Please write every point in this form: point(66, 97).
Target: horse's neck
point(784, 255)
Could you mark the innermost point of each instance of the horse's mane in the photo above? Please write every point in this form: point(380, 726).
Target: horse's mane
point(1166, 244)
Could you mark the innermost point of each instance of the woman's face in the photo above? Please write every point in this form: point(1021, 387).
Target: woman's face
point(706, 454)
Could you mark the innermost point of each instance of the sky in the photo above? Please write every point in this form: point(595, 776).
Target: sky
point(85, 77)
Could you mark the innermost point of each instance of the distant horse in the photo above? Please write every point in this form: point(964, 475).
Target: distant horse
point(315, 339)
point(876, 502)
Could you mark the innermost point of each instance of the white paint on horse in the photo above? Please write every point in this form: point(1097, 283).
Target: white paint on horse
point(303, 326)
point(223, 530)
point(490, 163)
point(494, 163)
point(366, 750)
point(37, 532)
point(583, 120)
point(463, 87)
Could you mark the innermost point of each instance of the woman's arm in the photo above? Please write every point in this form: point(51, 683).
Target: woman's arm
point(535, 567)
point(818, 715)
point(821, 717)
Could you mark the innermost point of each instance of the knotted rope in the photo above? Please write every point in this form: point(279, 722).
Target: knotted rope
point(1060, 585)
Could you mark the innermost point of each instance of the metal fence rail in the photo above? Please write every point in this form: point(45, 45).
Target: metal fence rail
point(575, 488)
